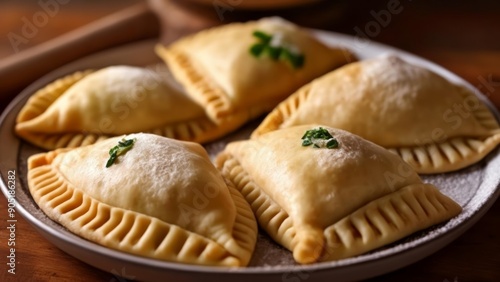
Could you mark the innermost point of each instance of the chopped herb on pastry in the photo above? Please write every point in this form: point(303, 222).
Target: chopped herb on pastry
point(147, 195)
point(239, 66)
point(85, 107)
point(433, 124)
point(327, 194)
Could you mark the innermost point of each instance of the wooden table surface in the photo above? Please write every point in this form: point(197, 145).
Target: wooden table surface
point(463, 37)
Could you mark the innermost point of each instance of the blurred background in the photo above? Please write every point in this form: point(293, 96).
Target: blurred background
point(463, 36)
point(37, 36)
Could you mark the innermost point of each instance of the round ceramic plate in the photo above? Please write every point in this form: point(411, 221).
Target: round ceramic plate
point(474, 188)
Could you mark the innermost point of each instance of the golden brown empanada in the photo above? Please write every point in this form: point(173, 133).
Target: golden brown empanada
point(162, 198)
point(330, 203)
point(433, 124)
point(219, 71)
point(86, 107)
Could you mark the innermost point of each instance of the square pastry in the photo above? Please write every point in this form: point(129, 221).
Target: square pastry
point(146, 195)
point(434, 125)
point(85, 107)
point(327, 194)
point(240, 66)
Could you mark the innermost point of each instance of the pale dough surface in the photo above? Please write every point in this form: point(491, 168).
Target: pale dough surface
point(433, 124)
point(297, 192)
point(163, 198)
point(218, 70)
point(116, 100)
point(390, 102)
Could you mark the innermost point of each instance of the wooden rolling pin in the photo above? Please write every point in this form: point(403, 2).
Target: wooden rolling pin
point(19, 70)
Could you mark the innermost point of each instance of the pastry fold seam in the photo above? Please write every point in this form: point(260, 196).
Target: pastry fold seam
point(280, 225)
point(205, 93)
point(134, 232)
point(388, 219)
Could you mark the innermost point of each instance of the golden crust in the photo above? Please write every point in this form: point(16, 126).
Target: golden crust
point(451, 155)
point(388, 219)
point(440, 149)
point(135, 232)
point(47, 133)
point(310, 237)
point(270, 216)
point(39, 102)
point(43, 98)
point(222, 76)
point(217, 103)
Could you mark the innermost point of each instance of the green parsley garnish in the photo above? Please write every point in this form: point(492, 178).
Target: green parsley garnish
point(319, 138)
point(306, 142)
point(297, 61)
point(282, 52)
point(257, 49)
point(123, 146)
point(264, 37)
point(319, 133)
point(332, 143)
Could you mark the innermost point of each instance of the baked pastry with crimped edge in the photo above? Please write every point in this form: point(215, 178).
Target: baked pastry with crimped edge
point(217, 69)
point(386, 220)
point(313, 201)
point(87, 122)
point(129, 228)
point(39, 102)
point(407, 109)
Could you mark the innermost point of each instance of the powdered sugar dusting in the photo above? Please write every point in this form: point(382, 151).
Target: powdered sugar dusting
point(461, 185)
point(475, 188)
point(471, 187)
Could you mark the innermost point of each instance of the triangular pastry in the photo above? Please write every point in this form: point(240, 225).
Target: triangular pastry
point(234, 67)
point(433, 124)
point(159, 198)
point(85, 107)
point(311, 193)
